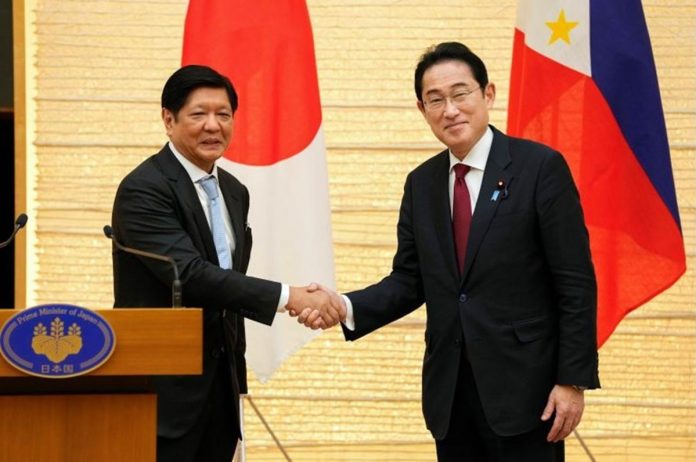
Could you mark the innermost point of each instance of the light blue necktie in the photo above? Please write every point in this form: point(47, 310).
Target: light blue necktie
point(217, 224)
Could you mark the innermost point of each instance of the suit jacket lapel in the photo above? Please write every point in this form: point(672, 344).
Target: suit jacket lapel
point(234, 208)
point(442, 214)
point(498, 161)
point(186, 193)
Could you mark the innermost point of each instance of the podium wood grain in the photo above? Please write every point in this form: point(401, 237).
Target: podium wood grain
point(78, 428)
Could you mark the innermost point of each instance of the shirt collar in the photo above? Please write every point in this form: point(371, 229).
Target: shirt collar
point(478, 156)
point(194, 171)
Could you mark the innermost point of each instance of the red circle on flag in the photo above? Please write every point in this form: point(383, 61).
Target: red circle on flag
point(267, 50)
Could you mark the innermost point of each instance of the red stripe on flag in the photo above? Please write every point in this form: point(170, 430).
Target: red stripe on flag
point(637, 247)
point(266, 48)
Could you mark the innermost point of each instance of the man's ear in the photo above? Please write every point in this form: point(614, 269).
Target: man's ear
point(168, 120)
point(421, 108)
point(489, 94)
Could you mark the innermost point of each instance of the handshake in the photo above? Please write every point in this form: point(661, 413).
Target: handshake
point(316, 306)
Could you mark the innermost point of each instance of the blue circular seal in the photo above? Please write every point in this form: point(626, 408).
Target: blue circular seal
point(57, 341)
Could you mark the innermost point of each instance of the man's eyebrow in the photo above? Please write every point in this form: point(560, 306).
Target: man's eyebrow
point(453, 86)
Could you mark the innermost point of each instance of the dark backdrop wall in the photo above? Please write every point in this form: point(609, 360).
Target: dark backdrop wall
point(5, 54)
point(6, 155)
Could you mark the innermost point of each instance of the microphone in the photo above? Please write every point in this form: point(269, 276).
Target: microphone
point(176, 284)
point(19, 224)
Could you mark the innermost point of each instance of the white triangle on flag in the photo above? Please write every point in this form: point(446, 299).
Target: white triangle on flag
point(537, 20)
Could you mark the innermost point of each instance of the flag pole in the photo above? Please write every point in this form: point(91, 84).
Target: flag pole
point(268, 428)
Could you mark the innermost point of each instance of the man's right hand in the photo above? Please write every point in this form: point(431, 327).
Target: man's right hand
point(316, 306)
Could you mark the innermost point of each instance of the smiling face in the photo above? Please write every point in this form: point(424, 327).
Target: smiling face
point(202, 128)
point(462, 121)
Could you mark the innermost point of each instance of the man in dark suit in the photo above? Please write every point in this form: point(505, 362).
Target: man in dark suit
point(179, 203)
point(491, 237)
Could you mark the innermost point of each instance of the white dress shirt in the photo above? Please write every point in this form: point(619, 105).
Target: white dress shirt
point(476, 159)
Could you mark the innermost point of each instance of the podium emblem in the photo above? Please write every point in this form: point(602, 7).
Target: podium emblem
point(56, 346)
point(57, 341)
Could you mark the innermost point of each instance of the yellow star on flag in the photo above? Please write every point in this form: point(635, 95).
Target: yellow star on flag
point(561, 28)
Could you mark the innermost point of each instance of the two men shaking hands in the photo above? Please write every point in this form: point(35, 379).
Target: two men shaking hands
point(491, 238)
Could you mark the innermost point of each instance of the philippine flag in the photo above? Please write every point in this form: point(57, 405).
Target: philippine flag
point(584, 82)
point(266, 48)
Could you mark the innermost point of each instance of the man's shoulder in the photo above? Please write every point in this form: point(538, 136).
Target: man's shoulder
point(228, 180)
point(152, 168)
point(150, 175)
point(147, 167)
point(224, 175)
point(532, 156)
point(527, 146)
point(436, 162)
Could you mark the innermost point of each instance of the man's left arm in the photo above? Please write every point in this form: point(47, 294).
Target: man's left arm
point(567, 251)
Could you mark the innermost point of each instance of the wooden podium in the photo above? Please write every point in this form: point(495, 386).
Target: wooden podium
point(109, 414)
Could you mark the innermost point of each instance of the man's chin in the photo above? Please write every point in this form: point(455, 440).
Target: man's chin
point(458, 141)
point(212, 153)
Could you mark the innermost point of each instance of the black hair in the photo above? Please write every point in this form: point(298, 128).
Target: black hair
point(187, 79)
point(449, 51)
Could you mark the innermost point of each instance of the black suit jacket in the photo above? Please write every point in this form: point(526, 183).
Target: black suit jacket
point(157, 210)
point(524, 308)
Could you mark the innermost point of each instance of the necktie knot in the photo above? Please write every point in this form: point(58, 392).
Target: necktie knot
point(460, 171)
point(209, 184)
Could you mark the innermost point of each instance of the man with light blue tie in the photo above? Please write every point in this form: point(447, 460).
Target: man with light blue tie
point(180, 204)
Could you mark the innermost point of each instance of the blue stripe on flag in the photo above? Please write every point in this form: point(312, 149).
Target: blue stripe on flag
point(624, 70)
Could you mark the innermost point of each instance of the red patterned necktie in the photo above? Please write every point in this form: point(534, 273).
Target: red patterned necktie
point(461, 213)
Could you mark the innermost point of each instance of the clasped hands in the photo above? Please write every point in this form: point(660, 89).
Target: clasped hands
point(316, 306)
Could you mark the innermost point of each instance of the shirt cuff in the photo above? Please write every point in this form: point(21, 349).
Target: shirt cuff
point(350, 320)
point(284, 298)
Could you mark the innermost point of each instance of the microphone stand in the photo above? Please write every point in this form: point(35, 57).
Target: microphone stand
point(176, 284)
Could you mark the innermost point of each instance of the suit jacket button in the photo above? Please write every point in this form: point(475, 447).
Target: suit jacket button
point(462, 297)
point(215, 353)
point(458, 342)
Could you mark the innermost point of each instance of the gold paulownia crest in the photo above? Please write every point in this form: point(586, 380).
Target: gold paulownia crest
point(57, 346)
